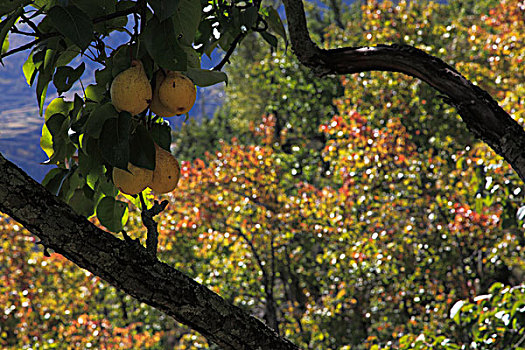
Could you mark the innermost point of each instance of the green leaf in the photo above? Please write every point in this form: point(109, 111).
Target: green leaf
point(161, 135)
point(107, 187)
point(72, 181)
point(204, 33)
point(142, 149)
point(103, 76)
point(95, 8)
point(10, 5)
point(4, 47)
point(275, 23)
point(270, 38)
point(54, 123)
point(114, 140)
point(98, 117)
point(164, 9)
point(193, 57)
point(95, 92)
point(161, 42)
point(58, 105)
point(66, 76)
point(82, 201)
point(479, 205)
point(78, 104)
point(121, 59)
point(67, 54)
point(53, 180)
point(73, 23)
point(186, 20)
point(92, 163)
point(44, 77)
point(113, 214)
point(249, 17)
point(29, 70)
point(226, 40)
point(494, 287)
point(58, 126)
point(205, 77)
point(46, 142)
point(209, 47)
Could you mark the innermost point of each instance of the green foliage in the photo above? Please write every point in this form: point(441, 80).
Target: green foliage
point(165, 36)
point(73, 24)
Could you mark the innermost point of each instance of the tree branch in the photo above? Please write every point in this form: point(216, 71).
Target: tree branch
point(121, 13)
point(29, 45)
point(230, 51)
point(129, 267)
point(147, 215)
point(30, 23)
point(482, 115)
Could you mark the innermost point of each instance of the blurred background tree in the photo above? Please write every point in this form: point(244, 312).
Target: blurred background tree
point(347, 213)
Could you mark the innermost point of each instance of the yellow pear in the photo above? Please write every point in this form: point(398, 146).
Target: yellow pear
point(177, 92)
point(130, 90)
point(156, 106)
point(167, 172)
point(134, 181)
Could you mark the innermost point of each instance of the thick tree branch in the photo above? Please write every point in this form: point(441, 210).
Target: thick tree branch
point(129, 266)
point(482, 115)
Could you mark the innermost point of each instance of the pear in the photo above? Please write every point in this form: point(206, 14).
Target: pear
point(167, 171)
point(177, 92)
point(134, 181)
point(130, 90)
point(156, 106)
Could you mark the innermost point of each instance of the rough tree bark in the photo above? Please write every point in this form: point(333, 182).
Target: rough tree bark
point(482, 115)
point(129, 267)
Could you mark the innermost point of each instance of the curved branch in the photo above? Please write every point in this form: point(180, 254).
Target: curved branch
point(482, 115)
point(129, 266)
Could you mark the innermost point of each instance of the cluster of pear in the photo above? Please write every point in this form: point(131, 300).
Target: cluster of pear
point(163, 179)
point(172, 94)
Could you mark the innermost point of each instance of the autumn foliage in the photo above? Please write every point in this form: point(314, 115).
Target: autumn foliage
point(401, 232)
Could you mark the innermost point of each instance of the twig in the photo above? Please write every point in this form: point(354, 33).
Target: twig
point(152, 238)
point(117, 14)
point(15, 30)
point(126, 237)
point(143, 12)
point(30, 23)
point(28, 45)
point(226, 57)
